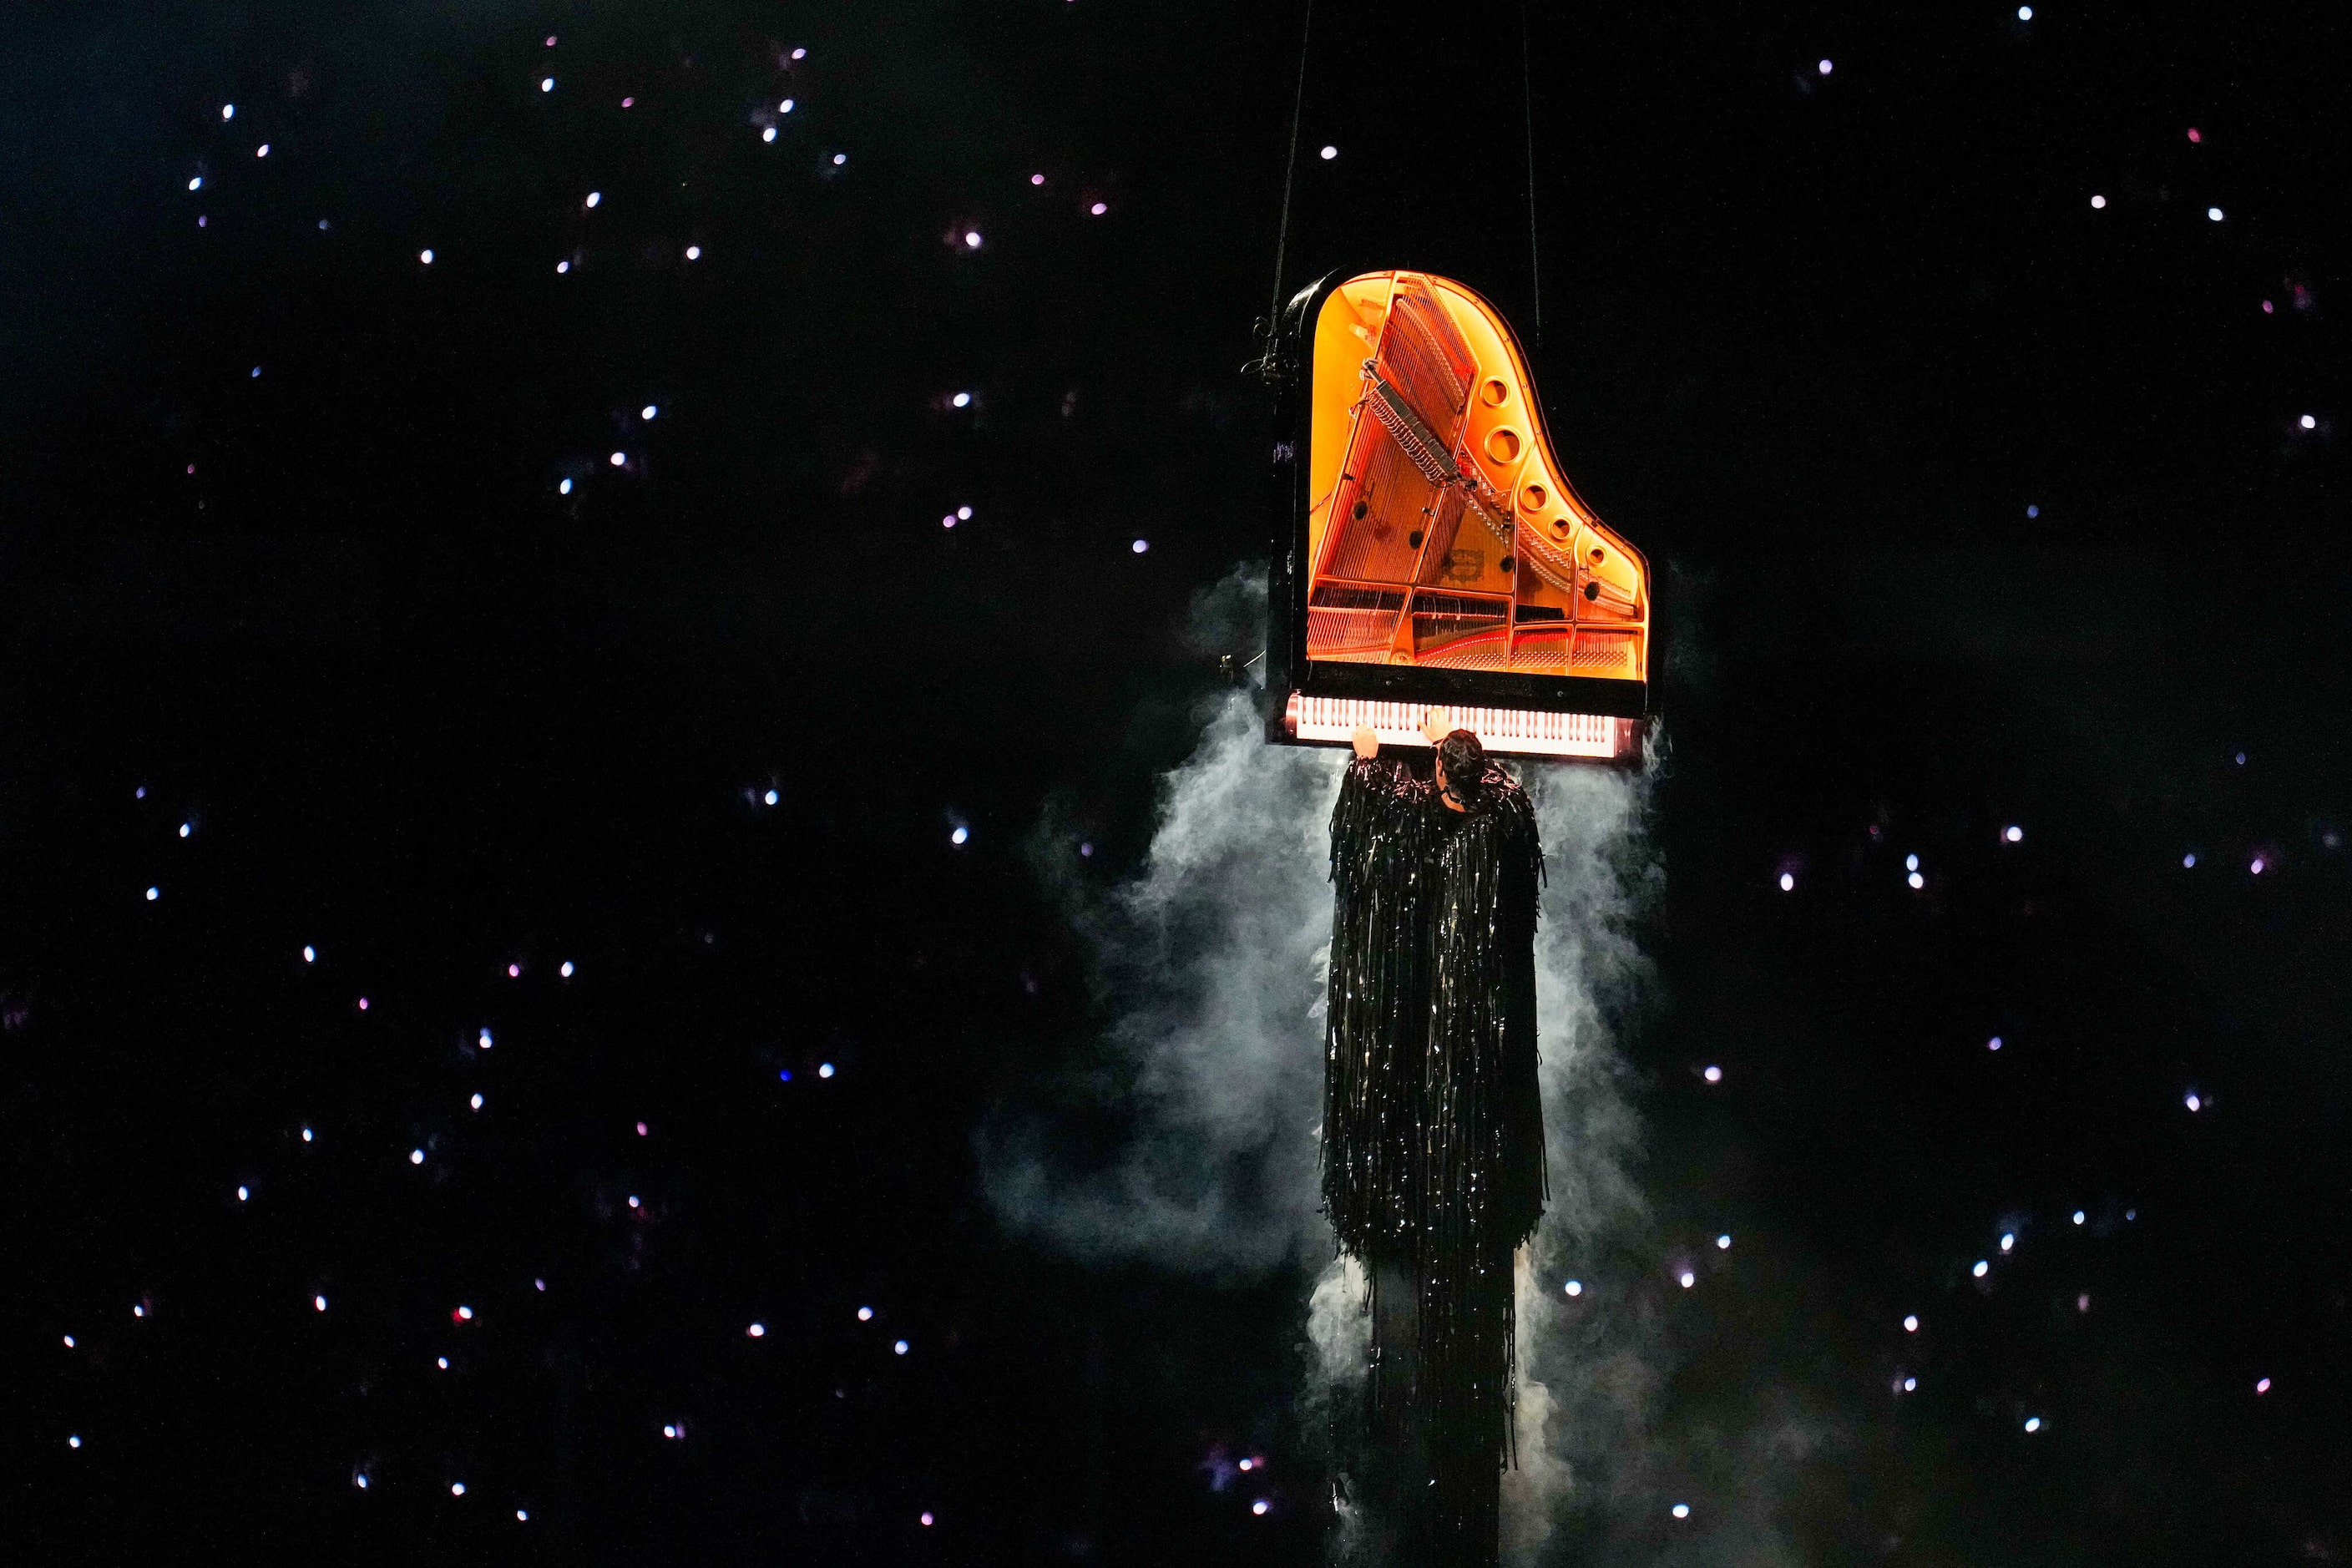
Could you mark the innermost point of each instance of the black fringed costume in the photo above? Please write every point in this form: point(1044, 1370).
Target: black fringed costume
point(1433, 1131)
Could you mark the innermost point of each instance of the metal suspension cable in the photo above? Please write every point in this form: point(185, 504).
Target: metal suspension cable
point(1528, 115)
point(1289, 171)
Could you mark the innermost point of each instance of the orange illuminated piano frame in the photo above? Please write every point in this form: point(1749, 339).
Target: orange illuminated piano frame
point(1430, 550)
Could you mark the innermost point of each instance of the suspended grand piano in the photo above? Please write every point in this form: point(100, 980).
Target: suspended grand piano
point(1430, 551)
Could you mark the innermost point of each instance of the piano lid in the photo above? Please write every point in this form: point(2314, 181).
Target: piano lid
point(1432, 548)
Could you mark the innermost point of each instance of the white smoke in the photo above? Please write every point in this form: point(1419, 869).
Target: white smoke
point(1212, 962)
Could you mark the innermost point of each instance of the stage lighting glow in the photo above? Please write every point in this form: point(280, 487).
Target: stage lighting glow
point(2262, 1386)
point(1259, 1507)
point(898, 1347)
point(2033, 1423)
point(864, 1314)
point(1916, 880)
point(2078, 1216)
point(825, 1069)
point(1981, 1270)
point(2214, 215)
point(959, 835)
point(1788, 882)
point(1910, 1385)
point(1723, 1242)
point(2008, 1240)
point(1329, 153)
point(1713, 1074)
point(1825, 67)
point(1688, 1279)
point(2308, 422)
point(757, 1332)
point(416, 1156)
point(2097, 202)
point(2012, 833)
point(1682, 1511)
point(1911, 1325)
point(1574, 1287)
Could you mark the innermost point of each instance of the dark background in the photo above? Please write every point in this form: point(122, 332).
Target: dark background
point(1816, 342)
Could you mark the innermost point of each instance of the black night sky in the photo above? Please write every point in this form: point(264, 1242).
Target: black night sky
point(556, 643)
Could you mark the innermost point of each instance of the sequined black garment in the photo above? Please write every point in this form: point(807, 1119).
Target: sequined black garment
point(1433, 1130)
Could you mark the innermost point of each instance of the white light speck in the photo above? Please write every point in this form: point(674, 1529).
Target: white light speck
point(2262, 1386)
point(971, 238)
point(1981, 1270)
point(864, 1314)
point(318, 1303)
point(694, 253)
point(670, 1431)
point(465, 1314)
point(563, 488)
point(242, 1194)
point(2025, 13)
point(2192, 1101)
point(595, 196)
point(1788, 882)
point(962, 400)
point(959, 836)
point(769, 797)
point(648, 412)
point(898, 1347)
point(565, 969)
point(1682, 1511)
point(476, 1102)
point(1099, 208)
point(618, 459)
point(562, 266)
point(757, 1331)
point(1911, 1325)
point(799, 54)
point(1993, 1044)
point(1917, 881)
point(523, 1514)
point(482, 1039)
point(425, 257)
point(768, 134)
point(2078, 1216)
point(547, 84)
point(2188, 861)
point(633, 1201)
point(2257, 866)
point(926, 1519)
point(785, 107)
point(73, 1442)
point(306, 1135)
point(184, 828)
point(262, 151)
point(2013, 834)
point(309, 955)
point(1713, 1074)
point(1910, 1385)
point(1140, 545)
point(963, 514)
point(154, 894)
point(2033, 1423)
point(1825, 67)
point(1037, 179)
point(2214, 215)
point(825, 1069)
point(839, 159)
point(1723, 1242)
point(2008, 1240)
point(2308, 422)
point(197, 183)
point(360, 1481)
point(1688, 1279)
point(442, 1362)
point(1259, 1507)
point(1574, 1287)
point(139, 1310)
point(228, 111)
point(456, 1489)
point(2099, 203)
point(69, 1341)
point(1330, 153)
point(416, 1156)
point(1910, 862)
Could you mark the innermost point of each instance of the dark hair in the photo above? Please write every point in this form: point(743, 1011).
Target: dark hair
point(1466, 766)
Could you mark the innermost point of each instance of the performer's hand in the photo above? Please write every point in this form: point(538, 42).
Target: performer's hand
point(1435, 727)
point(1368, 744)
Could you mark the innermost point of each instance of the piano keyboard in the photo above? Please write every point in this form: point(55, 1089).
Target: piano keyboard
point(1512, 731)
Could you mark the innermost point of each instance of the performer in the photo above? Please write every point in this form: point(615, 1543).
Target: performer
point(1433, 1123)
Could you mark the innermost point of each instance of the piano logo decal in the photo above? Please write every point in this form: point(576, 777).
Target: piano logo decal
point(1431, 549)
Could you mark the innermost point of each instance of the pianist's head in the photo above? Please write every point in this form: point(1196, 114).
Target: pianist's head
point(1461, 767)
